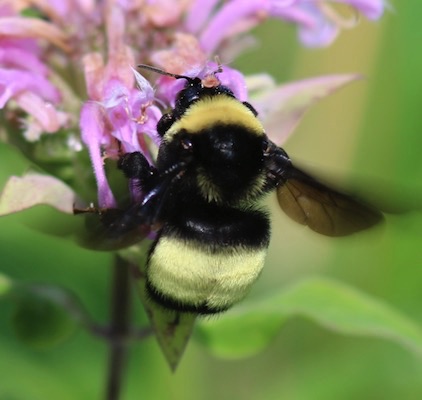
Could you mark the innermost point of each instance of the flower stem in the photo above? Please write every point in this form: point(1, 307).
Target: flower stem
point(119, 328)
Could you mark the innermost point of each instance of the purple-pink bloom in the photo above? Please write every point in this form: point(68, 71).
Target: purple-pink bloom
point(232, 18)
point(116, 125)
point(15, 81)
point(117, 115)
point(319, 22)
point(92, 131)
point(24, 77)
point(120, 109)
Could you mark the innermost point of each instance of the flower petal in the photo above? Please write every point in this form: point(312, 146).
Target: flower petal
point(185, 54)
point(372, 9)
point(120, 56)
point(13, 82)
point(163, 13)
point(47, 116)
point(145, 88)
point(22, 54)
point(198, 13)
point(33, 28)
point(283, 108)
point(34, 189)
point(42, 111)
point(94, 135)
point(319, 22)
point(94, 75)
point(227, 16)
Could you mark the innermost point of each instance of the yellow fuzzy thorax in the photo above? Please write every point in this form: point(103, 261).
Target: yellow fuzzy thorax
point(216, 109)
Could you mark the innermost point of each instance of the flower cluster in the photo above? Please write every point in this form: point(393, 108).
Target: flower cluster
point(56, 56)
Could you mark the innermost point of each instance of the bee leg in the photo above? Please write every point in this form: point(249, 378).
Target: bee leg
point(135, 166)
point(278, 165)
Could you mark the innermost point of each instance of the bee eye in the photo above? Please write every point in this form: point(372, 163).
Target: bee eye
point(186, 143)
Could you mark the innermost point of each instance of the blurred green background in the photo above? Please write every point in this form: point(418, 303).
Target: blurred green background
point(371, 129)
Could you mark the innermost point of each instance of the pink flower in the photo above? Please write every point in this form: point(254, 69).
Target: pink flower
point(24, 76)
point(319, 22)
point(117, 116)
point(75, 72)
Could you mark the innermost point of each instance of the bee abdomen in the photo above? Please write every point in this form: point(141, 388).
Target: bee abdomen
point(202, 267)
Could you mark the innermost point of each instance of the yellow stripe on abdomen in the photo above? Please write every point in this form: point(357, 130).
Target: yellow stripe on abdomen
point(193, 276)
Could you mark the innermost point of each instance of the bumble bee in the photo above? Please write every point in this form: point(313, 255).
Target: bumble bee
point(214, 164)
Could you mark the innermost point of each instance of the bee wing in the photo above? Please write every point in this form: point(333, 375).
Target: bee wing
point(109, 229)
point(323, 209)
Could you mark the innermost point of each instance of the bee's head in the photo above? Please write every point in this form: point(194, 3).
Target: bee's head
point(217, 136)
point(195, 88)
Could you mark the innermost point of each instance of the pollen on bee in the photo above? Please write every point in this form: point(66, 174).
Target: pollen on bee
point(210, 81)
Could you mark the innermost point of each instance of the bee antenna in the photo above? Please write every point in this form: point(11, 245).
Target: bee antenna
point(161, 72)
point(219, 65)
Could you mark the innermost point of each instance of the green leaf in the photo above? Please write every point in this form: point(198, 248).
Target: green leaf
point(172, 330)
point(249, 328)
point(6, 285)
point(43, 315)
point(33, 189)
point(41, 322)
